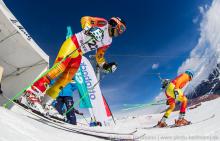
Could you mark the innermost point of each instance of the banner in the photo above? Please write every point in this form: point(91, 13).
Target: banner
point(95, 95)
point(82, 88)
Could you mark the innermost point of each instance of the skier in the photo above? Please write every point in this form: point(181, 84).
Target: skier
point(1, 73)
point(173, 91)
point(97, 35)
point(66, 98)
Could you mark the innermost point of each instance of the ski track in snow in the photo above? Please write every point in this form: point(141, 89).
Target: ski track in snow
point(16, 125)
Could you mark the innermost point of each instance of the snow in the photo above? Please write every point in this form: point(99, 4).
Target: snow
point(210, 128)
point(17, 125)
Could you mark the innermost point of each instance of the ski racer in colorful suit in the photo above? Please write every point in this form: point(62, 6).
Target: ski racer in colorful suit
point(96, 35)
point(173, 91)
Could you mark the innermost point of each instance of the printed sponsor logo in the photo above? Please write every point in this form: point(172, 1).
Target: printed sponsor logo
point(83, 47)
point(78, 77)
point(21, 28)
point(88, 81)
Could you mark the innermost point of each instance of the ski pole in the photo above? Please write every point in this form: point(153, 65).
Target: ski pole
point(158, 74)
point(85, 119)
point(78, 101)
point(42, 75)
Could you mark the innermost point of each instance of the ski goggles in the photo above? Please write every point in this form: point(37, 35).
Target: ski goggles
point(117, 25)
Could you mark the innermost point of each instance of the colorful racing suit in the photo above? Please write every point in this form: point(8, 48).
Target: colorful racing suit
point(78, 44)
point(176, 85)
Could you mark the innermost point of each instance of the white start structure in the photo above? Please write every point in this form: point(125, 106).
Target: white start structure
point(22, 59)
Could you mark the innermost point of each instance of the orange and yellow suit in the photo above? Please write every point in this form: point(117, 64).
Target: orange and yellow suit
point(67, 69)
point(177, 84)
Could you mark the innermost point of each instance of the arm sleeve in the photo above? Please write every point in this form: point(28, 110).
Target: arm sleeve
point(181, 81)
point(76, 111)
point(100, 59)
point(88, 22)
point(177, 86)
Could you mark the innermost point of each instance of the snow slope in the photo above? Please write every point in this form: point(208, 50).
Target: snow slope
point(14, 125)
point(203, 129)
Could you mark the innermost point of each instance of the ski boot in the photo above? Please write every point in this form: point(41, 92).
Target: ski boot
point(50, 110)
point(161, 124)
point(32, 99)
point(32, 96)
point(182, 122)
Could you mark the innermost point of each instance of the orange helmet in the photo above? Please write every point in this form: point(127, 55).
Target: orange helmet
point(118, 26)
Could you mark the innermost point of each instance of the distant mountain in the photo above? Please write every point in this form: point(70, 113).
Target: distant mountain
point(209, 86)
point(204, 58)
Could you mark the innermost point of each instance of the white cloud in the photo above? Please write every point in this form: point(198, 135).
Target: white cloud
point(155, 66)
point(201, 9)
point(195, 20)
point(205, 56)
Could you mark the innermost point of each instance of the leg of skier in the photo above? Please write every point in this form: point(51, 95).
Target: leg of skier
point(64, 79)
point(71, 117)
point(182, 121)
point(39, 87)
point(59, 104)
point(172, 104)
point(171, 101)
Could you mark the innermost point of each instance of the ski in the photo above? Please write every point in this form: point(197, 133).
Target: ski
point(174, 126)
point(103, 132)
point(55, 119)
point(197, 122)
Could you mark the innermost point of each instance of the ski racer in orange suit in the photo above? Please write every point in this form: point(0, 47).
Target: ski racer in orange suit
point(173, 91)
point(96, 35)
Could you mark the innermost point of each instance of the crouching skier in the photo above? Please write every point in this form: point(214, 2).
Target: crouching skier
point(65, 101)
point(173, 91)
point(97, 35)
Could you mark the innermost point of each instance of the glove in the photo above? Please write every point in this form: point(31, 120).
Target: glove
point(81, 114)
point(176, 93)
point(96, 33)
point(167, 102)
point(109, 67)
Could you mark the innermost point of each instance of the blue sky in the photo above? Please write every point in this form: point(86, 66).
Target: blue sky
point(158, 32)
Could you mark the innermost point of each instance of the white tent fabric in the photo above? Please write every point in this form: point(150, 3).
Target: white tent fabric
point(22, 59)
